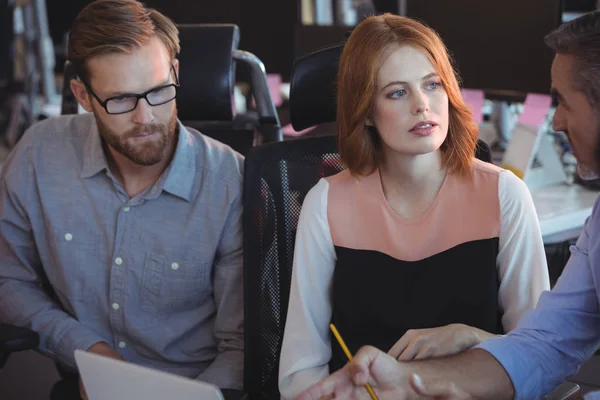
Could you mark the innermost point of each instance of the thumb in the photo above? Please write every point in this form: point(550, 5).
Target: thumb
point(360, 365)
point(437, 389)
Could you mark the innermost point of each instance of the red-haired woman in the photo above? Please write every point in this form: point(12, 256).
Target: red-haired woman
point(417, 248)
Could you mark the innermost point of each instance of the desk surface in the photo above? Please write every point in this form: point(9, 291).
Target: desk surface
point(562, 210)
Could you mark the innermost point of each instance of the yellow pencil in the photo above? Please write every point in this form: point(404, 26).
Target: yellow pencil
point(349, 355)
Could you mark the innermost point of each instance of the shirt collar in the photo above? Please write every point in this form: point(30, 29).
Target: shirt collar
point(181, 173)
point(178, 178)
point(94, 159)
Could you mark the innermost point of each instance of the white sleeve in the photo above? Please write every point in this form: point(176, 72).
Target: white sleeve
point(306, 348)
point(522, 266)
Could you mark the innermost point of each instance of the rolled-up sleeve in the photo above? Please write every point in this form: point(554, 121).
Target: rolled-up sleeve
point(23, 301)
point(552, 341)
point(226, 371)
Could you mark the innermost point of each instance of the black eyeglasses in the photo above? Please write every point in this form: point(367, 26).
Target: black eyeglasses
point(128, 102)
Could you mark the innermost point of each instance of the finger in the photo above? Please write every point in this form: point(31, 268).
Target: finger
point(360, 366)
point(426, 351)
point(437, 389)
point(401, 344)
point(82, 392)
point(327, 388)
point(411, 350)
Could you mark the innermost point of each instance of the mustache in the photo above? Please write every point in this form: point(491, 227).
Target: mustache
point(149, 128)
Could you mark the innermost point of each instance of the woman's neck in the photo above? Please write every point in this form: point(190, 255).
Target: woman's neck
point(411, 183)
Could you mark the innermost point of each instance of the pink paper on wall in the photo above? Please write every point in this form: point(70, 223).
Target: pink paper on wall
point(274, 85)
point(535, 109)
point(274, 82)
point(474, 98)
point(288, 130)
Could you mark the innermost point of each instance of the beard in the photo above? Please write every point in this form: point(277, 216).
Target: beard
point(146, 153)
point(584, 171)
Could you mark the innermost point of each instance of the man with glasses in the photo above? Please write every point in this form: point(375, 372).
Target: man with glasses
point(120, 229)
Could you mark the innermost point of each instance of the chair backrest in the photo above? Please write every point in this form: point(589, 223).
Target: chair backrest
point(207, 77)
point(277, 178)
point(207, 72)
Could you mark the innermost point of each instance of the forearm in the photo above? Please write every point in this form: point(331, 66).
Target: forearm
point(25, 304)
point(476, 372)
point(226, 371)
point(481, 336)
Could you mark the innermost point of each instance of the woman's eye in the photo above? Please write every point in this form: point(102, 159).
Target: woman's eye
point(398, 93)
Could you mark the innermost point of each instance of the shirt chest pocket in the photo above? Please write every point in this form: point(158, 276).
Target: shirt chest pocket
point(76, 261)
point(171, 286)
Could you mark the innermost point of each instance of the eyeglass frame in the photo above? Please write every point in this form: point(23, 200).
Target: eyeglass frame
point(103, 103)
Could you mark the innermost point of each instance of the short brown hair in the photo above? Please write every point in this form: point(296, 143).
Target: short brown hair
point(107, 26)
point(357, 74)
point(581, 39)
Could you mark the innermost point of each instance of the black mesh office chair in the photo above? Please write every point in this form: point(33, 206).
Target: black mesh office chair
point(277, 179)
point(207, 64)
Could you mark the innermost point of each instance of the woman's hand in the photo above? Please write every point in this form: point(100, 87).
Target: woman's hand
point(437, 342)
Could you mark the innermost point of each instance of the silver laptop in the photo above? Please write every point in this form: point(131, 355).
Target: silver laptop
point(109, 379)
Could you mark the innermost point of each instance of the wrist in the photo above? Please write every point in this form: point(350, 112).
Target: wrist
point(480, 336)
point(98, 346)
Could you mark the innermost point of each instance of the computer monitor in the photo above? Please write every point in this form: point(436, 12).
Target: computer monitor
point(498, 46)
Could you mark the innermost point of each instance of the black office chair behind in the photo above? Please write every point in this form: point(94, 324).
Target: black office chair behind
point(207, 65)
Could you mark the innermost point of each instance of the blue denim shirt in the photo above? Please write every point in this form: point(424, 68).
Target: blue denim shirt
point(553, 340)
point(157, 276)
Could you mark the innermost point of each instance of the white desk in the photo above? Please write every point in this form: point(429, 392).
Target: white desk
point(562, 210)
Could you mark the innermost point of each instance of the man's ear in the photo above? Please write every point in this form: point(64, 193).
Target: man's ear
point(81, 94)
point(176, 66)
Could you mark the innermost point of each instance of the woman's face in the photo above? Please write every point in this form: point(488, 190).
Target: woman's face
point(410, 109)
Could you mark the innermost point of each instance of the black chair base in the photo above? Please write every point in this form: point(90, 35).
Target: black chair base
point(66, 389)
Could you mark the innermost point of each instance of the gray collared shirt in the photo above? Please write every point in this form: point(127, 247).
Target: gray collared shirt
point(157, 276)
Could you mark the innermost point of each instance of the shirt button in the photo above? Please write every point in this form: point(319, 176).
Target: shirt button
point(118, 261)
point(122, 345)
point(116, 306)
point(175, 266)
point(126, 209)
point(68, 237)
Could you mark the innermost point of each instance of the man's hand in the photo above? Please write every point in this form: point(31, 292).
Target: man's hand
point(439, 390)
point(388, 377)
point(102, 349)
point(437, 342)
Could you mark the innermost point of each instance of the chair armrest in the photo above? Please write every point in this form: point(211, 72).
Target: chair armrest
point(15, 338)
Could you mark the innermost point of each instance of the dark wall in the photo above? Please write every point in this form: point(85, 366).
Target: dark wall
point(497, 45)
point(579, 5)
point(266, 26)
point(267, 30)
